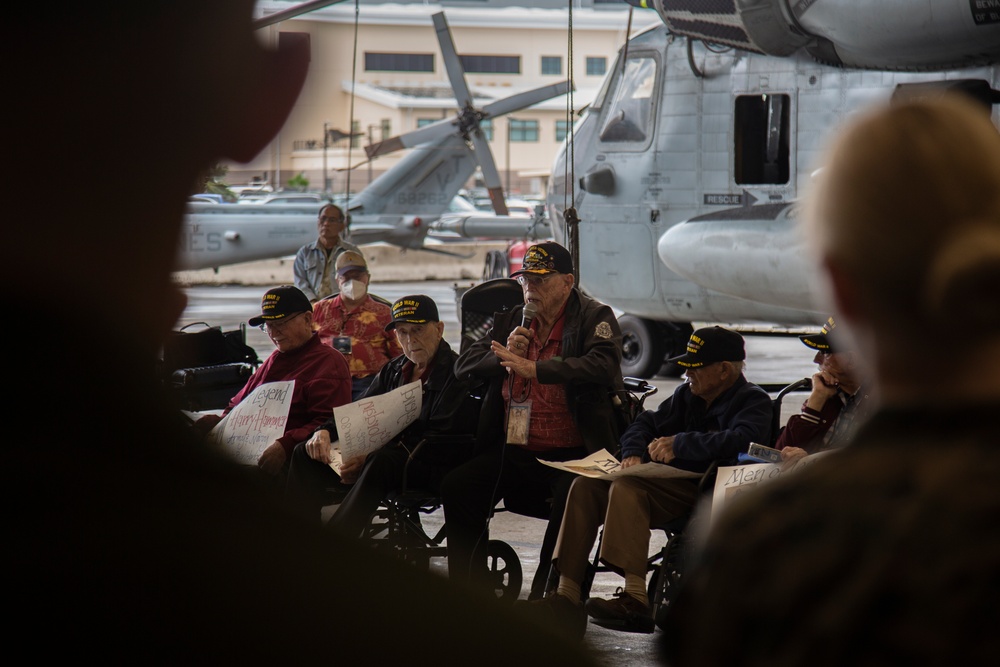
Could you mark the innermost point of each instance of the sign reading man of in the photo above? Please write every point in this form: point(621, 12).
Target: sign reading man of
point(255, 423)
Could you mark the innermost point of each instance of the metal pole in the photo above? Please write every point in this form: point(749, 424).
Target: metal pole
point(326, 174)
point(507, 160)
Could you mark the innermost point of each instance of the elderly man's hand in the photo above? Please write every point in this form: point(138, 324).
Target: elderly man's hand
point(318, 446)
point(351, 470)
point(517, 341)
point(824, 386)
point(513, 363)
point(661, 450)
point(790, 455)
point(630, 461)
point(272, 459)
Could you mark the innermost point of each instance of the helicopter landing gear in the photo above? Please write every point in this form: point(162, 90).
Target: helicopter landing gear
point(646, 343)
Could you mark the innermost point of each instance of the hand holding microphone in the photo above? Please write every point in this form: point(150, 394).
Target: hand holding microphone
point(517, 341)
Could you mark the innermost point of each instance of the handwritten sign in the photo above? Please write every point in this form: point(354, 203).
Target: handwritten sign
point(602, 465)
point(256, 422)
point(733, 481)
point(365, 425)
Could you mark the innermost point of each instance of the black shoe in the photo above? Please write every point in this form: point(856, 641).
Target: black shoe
point(623, 612)
point(558, 612)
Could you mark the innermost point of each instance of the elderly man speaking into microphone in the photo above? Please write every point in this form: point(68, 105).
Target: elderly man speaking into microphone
point(549, 395)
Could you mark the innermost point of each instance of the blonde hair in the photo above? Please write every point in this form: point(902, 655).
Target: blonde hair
point(908, 205)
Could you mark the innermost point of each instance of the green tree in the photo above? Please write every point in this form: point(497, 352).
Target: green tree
point(299, 182)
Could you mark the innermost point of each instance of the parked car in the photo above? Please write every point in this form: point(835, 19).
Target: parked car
point(294, 198)
point(207, 197)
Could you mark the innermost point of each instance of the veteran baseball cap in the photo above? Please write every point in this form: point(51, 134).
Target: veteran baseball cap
point(710, 345)
point(350, 261)
point(544, 258)
point(279, 303)
point(824, 340)
point(413, 309)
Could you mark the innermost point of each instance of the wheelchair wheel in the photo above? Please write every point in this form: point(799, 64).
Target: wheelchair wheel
point(504, 570)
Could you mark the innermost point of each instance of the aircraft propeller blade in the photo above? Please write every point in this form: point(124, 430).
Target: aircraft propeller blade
point(526, 99)
point(484, 156)
point(421, 135)
point(452, 63)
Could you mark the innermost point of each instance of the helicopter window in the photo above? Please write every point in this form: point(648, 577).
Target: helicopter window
point(630, 115)
point(762, 146)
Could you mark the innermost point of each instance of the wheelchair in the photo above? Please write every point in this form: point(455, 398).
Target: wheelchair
point(397, 529)
point(666, 567)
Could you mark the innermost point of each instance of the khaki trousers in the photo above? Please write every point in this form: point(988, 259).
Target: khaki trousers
point(628, 507)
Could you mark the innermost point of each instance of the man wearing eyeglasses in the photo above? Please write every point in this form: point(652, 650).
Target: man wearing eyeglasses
point(550, 383)
point(446, 409)
point(314, 268)
point(322, 377)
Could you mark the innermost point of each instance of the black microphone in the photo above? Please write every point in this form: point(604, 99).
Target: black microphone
point(528, 314)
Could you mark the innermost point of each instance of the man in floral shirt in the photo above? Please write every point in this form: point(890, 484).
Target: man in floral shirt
point(354, 322)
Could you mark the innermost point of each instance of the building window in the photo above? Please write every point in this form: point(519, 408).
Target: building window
point(486, 126)
point(491, 64)
point(562, 129)
point(523, 130)
point(552, 65)
point(386, 128)
point(355, 134)
point(424, 122)
point(597, 65)
point(399, 62)
point(762, 141)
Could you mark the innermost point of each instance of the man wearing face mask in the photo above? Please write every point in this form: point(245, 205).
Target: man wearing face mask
point(354, 322)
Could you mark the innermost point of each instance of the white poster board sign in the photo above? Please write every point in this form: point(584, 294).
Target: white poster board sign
point(255, 423)
point(736, 480)
point(371, 422)
point(603, 465)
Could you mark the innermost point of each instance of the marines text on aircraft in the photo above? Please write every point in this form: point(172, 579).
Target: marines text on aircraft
point(397, 207)
point(689, 161)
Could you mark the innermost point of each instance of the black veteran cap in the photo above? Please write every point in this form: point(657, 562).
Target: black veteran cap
point(413, 309)
point(709, 345)
point(545, 258)
point(279, 303)
point(823, 341)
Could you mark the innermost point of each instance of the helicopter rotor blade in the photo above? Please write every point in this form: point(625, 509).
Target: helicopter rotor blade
point(526, 99)
point(484, 156)
point(421, 135)
point(452, 63)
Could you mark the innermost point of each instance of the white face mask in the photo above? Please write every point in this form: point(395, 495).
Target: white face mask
point(354, 290)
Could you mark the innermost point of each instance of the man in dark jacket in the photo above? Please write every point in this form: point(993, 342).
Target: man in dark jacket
point(446, 409)
point(711, 418)
point(550, 381)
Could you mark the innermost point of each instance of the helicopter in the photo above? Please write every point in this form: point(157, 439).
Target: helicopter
point(690, 161)
point(398, 206)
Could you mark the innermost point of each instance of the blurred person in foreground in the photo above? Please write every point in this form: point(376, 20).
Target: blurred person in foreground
point(884, 552)
point(125, 534)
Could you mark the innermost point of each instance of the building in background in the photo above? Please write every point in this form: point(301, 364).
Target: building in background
point(398, 83)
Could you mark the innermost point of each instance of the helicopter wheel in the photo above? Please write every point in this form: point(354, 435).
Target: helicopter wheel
point(643, 347)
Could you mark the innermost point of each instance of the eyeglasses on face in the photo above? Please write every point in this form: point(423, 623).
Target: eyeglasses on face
point(534, 281)
point(278, 325)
